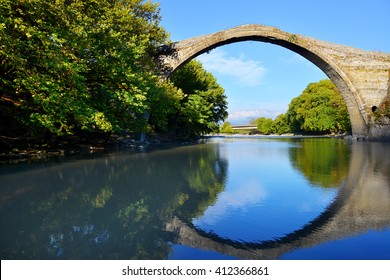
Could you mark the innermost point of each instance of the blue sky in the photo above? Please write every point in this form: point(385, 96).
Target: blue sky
point(260, 79)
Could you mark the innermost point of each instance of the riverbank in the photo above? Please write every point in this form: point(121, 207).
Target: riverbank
point(117, 142)
point(29, 152)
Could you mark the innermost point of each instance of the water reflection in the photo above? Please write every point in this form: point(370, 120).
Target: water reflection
point(264, 197)
point(111, 207)
point(361, 208)
point(173, 203)
point(324, 163)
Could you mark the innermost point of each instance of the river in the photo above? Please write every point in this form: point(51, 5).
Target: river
point(225, 198)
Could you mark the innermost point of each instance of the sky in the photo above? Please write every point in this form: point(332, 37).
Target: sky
point(260, 79)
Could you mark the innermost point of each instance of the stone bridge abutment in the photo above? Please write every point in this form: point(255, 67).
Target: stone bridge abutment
point(362, 77)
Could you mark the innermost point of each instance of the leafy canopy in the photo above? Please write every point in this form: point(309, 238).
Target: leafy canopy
point(200, 103)
point(319, 109)
point(226, 128)
point(79, 65)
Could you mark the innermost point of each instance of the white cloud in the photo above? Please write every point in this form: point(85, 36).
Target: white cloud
point(249, 193)
point(246, 72)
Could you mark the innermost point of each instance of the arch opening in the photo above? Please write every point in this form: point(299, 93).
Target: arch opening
point(176, 55)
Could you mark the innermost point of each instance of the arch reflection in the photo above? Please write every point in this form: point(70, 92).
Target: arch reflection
point(362, 204)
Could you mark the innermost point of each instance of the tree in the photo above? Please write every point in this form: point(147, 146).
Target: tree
point(319, 109)
point(202, 104)
point(281, 125)
point(226, 128)
point(79, 65)
point(265, 125)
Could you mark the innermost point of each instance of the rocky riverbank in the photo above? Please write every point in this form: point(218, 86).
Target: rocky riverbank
point(65, 148)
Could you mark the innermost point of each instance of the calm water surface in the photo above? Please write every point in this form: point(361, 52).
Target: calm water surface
point(228, 198)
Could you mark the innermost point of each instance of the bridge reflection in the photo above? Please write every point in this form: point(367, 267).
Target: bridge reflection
point(362, 204)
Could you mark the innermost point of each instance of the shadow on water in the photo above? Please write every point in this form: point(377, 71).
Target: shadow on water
point(137, 205)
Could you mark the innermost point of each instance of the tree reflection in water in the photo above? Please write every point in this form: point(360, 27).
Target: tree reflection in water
point(109, 207)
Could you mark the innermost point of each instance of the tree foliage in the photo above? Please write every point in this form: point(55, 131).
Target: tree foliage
point(226, 128)
point(268, 126)
point(319, 109)
point(281, 125)
point(73, 67)
point(79, 65)
point(201, 103)
point(265, 125)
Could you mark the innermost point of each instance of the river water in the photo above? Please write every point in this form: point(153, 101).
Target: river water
point(226, 198)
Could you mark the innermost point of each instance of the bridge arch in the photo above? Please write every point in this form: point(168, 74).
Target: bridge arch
point(325, 56)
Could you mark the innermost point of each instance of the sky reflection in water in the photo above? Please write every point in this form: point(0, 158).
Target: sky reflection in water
point(265, 197)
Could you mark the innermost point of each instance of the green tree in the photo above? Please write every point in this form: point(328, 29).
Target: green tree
point(281, 125)
point(202, 105)
point(319, 109)
point(226, 128)
point(163, 106)
point(265, 125)
point(79, 65)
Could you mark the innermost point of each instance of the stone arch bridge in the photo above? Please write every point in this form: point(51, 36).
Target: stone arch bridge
point(362, 77)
